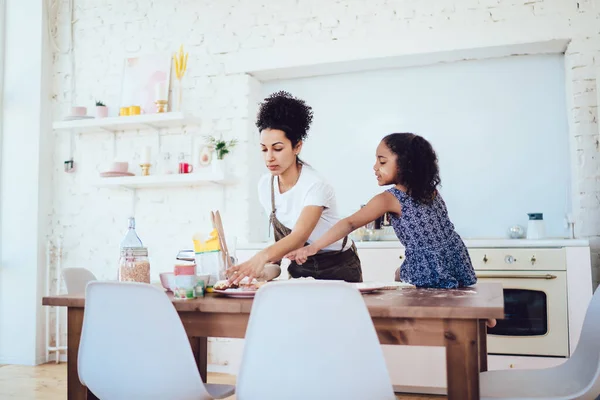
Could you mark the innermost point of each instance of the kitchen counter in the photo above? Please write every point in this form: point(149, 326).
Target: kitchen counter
point(470, 243)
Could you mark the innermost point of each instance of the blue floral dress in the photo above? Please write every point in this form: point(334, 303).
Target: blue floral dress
point(436, 256)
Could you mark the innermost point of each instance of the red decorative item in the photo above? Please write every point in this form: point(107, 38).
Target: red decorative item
point(185, 168)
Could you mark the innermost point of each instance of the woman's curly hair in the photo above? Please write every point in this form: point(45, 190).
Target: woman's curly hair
point(417, 165)
point(285, 112)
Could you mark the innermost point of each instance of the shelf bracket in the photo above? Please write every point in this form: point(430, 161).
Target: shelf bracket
point(72, 144)
point(114, 140)
point(156, 129)
point(134, 199)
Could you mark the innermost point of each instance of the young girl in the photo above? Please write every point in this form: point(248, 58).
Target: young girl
point(436, 256)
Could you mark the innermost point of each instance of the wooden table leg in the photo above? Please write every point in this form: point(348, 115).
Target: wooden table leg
point(75, 390)
point(462, 358)
point(482, 328)
point(200, 349)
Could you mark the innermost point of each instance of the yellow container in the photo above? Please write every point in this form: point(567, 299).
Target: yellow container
point(135, 110)
point(124, 111)
point(209, 258)
point(210, 244)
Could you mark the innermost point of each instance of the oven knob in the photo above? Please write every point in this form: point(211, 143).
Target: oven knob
point(509, 259)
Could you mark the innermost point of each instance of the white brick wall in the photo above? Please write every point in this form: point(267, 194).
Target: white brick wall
point(92, 221)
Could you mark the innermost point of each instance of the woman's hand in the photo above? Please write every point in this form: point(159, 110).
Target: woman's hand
point(300, 255)
point(253, 268)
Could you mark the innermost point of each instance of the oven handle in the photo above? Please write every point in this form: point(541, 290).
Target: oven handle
point(544, 276)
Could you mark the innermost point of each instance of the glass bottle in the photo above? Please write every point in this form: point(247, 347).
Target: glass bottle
point(134, 265)
point(131, 238)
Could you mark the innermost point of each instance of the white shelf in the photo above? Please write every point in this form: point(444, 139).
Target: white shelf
point(162, 181)
point(133, 122)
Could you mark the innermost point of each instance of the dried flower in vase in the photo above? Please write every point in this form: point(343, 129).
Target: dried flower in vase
point(180, 60)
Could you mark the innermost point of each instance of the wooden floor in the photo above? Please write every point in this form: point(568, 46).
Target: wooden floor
point(49, 382)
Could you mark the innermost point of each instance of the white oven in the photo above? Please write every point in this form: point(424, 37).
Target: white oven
point(535, 300)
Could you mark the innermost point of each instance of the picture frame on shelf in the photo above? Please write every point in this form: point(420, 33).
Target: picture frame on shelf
point(141, 77)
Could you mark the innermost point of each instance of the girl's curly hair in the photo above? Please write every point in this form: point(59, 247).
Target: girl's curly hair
point(417, 165)
point(285, 112)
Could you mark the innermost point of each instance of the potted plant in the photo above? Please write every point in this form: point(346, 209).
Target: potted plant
point(221, 148)
point(101, 110)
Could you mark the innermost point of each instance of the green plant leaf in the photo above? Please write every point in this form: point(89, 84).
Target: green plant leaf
point(221, 146)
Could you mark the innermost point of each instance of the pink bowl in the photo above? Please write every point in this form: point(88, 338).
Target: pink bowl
point(167, 279)
point(79, 111)
point(119, 166)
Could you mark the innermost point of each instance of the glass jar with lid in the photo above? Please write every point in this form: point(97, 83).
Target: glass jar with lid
point(134, 265)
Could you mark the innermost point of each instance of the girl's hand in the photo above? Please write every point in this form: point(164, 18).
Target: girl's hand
point(253, 268)
point(302, 254)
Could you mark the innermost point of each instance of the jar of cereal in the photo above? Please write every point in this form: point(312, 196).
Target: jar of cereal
point(134, 265)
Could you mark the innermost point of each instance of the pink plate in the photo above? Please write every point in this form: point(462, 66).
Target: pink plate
point(113, 174)
point(237, 293)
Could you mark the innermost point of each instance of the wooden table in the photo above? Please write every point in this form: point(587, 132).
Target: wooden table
point(407, 316)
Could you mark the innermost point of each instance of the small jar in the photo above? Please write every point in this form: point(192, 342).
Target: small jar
point(134, 265)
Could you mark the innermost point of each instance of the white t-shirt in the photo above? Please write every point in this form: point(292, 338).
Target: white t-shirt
point(310, 190)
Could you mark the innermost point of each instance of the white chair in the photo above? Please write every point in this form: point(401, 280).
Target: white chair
point(133, 346)
point(577, 378)
point(76, 279)
point(312, 340)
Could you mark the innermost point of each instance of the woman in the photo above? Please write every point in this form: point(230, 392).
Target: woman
point(301, 204)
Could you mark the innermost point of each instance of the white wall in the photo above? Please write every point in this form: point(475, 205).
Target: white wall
point(220, 37)
point(25, 180)
point(499, 127)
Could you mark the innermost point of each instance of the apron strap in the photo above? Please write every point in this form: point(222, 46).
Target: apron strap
point(344, 243)
point(272, 194)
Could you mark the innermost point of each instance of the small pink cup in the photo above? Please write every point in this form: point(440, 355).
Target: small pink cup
point(119, 166)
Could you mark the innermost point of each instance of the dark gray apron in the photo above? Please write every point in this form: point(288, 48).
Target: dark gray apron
point(332, 265)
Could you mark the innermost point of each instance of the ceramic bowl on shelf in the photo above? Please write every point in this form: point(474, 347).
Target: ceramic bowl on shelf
point(119, 166)
point(78, 111)
point(115, 169)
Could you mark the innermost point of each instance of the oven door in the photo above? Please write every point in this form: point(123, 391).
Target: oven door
point(535, 308)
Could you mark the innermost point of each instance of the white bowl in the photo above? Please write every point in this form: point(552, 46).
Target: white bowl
point(203, 277)
point(167, 280)
point(119, 166)
point(79, 111)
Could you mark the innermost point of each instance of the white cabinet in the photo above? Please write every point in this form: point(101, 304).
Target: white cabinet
point(380, 264)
